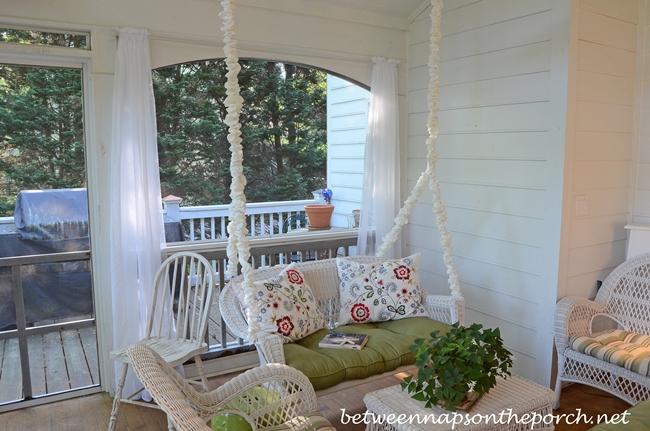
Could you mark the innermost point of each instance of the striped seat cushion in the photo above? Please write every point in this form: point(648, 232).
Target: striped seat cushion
point(623, 348)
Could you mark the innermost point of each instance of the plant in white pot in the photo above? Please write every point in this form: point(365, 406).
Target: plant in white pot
point(456, 369)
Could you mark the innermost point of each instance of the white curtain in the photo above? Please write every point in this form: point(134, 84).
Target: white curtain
point(380, 199)
point(136, 219)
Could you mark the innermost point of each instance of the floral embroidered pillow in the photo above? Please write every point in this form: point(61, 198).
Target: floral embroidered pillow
point(378, 292)
point(287, 305)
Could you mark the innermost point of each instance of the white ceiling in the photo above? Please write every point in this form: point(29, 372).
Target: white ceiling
point(392, 8)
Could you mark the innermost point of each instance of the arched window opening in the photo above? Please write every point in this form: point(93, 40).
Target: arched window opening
point(295, 122)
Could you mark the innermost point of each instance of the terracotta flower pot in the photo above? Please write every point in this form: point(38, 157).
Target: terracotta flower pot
point(319, 215)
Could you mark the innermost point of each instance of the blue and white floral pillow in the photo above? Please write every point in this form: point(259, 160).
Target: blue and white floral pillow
point(287, 305)
point(381, 291)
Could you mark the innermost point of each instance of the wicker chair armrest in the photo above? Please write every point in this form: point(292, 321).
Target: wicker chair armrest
point(190, 409)
point(271, 349)
point(573, 316)
point(445, 308)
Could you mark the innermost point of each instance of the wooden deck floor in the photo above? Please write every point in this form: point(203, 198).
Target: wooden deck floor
point(58, 361)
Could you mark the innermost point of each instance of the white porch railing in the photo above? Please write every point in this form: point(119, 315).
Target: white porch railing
point(264, 218)
point(265, 250)
point(278, 237)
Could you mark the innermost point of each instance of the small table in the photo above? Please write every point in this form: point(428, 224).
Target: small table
point(506, 407)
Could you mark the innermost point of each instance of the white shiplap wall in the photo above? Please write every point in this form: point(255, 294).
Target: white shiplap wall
point(642, 189)
point(347, 119)
point(602, 144)
point(500, 158)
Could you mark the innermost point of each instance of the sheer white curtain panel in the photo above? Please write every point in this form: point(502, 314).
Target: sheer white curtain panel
point(136, 227)
point(380, 199)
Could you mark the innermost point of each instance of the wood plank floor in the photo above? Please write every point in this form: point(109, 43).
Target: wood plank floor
point(58, 361)
point(91, 413)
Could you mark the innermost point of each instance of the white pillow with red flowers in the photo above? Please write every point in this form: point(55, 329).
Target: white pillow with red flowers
point(380, 291)
point(287, 305)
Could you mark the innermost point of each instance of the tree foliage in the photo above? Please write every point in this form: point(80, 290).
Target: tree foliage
point(41, 131)
point(283, 130)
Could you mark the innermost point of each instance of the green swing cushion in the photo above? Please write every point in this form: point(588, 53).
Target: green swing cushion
point(387, 348)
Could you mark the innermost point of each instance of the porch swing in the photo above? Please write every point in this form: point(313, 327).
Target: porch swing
point(287, 311)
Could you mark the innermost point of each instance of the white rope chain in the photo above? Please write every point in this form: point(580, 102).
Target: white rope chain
point(238, 246)
point(429, 176)
point(238, 250)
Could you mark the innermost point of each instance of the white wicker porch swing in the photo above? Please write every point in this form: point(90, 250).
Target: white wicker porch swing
point(321, 275)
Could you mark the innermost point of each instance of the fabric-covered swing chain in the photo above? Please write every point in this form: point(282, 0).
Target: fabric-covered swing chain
point(429, 177)
point(238, 246)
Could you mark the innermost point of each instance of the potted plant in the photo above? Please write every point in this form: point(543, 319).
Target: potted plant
point(319, 215)
point(456, 369)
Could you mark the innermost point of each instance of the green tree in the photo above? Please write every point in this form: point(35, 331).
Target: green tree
point(41, 131)
point(284, 131)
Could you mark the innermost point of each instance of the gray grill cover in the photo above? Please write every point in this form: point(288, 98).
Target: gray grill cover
point(52, 214)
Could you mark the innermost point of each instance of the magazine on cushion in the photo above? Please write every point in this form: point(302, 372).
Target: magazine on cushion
point(337, 340)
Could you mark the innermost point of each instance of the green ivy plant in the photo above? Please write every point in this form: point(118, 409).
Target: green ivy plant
point(464, 360)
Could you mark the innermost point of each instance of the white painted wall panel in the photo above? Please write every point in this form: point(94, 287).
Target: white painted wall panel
point(497, 151)
point(517, 89)
point(604, 117)
point(601, 174)
point(347, 119)
point(502, 227)
point(606, 59)
point(591, 145)
point(496, 173)
point(601, 151)
point(522, 202)
point(498, 145)
point(594, 258)
point(641, 202)
point(626, 10)
point(509, 62)
point(516, 117)
point(606, 88)
point(511, 34)
point(489, 12)
point(603, 29)
point(598, 230)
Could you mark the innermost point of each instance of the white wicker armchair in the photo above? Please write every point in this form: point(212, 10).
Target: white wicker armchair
point(322, 277)
point(623, 297)
point(293, 402)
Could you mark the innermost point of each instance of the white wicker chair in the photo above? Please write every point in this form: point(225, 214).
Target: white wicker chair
point(175, 329)
point(625, 298)
point(189, 410)
point(322, 277)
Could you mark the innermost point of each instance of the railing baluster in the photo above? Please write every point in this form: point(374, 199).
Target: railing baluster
point(21, 326)
point(223, 227)
point(271, 251)
point(192, 229)
point(213, 234)
point(202, 228)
